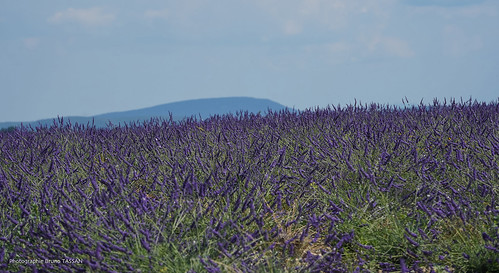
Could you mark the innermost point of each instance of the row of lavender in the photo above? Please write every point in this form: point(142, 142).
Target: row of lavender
point(339, 189)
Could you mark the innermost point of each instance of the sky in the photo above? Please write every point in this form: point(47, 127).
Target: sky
point(90, 57)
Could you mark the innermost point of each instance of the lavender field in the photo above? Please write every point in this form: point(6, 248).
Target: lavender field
point(360, 188)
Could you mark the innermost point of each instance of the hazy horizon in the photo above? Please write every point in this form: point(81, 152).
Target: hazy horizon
point(203, 107)
point(88, 58)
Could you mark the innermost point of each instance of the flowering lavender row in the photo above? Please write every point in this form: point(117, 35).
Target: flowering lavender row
point(358, 188)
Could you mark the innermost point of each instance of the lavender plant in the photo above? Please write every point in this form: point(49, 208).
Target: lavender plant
point(361, 188)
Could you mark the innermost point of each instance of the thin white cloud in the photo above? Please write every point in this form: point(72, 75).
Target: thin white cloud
point(458, 43)
point(359, 49)
point(294, 15)
point(88, 17)
point(292, 27)
point(334, 48)
point(464, 11)
point(157, 14)
point(390, 45)
point(443, 3)
point(339, 47)
point(334, 53)
point(475, 11)
point(31, 43)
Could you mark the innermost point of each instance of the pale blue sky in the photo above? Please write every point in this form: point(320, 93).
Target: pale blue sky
point(91, 57)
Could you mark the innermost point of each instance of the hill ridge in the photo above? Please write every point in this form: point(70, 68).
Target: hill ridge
point(202, 107)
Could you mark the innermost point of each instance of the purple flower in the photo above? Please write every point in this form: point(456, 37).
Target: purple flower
point(411, 233)
point(14, 221)
point(145, 244)
point(210, 266)
point(422, 234)
point(495, 249)
point(365, 246)
point(414, 243)
point(94, 183)
point(98, 252)
point(427, 252)
point(403, 266)
point(486, 237)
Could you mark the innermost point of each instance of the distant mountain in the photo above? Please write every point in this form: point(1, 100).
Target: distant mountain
point(179, 110)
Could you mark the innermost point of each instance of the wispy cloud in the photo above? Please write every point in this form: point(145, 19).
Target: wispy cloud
point(335, 53)
point(458, 43)
point(292, 27)
point(473, 10)
point(444, 3)
point(389, 45)
point(296, 15)
point(88, 17)
point(31, 43)
point(477, 11)
point(157, 14)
